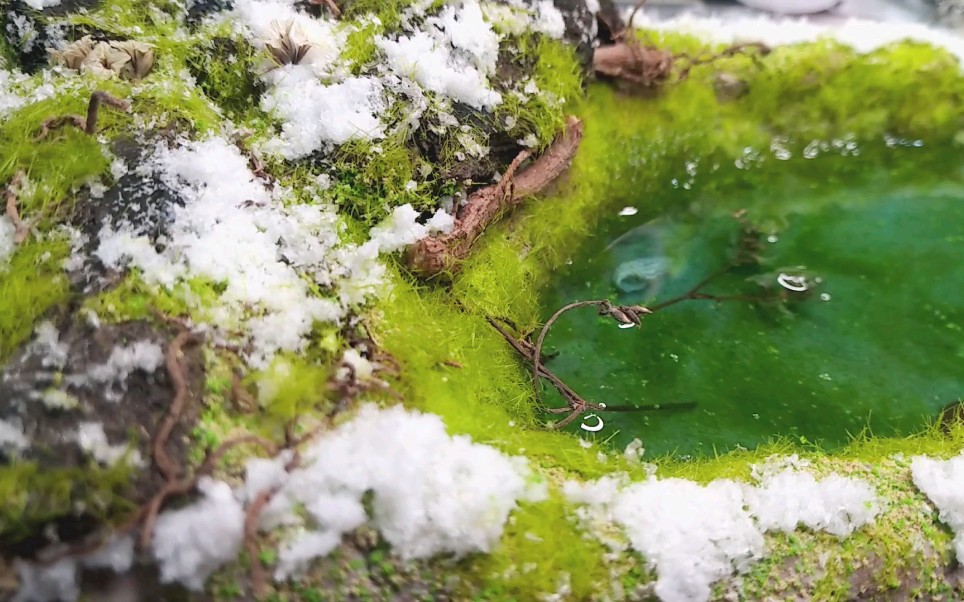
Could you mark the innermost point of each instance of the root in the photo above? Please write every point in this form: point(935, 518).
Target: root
point(176, 371)
point(330, 5)
point(86, 124)
point(436, 254)
point(21, 229)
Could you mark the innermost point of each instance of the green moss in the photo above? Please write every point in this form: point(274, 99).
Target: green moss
point(291, 387)
point(135, 299)
point(31, 495)
point(225, 68)
point(539, 550)
point(30, 286)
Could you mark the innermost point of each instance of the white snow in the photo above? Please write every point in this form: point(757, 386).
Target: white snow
point(862, 35)
point(192, 542)
point(695, 535)
point(56, 582)
point(432, 492)
point(234, 230)
point(548, 19)
point(314, 114)
point(7, 246)
point(943, 482)
point(47, 344)
point(12, 436)
point(452, 55)
point(93, 440)
point(146, 356)
point(41, 4)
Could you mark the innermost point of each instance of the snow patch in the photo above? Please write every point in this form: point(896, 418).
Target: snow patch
point(192, 542)
point(41, 4)
point(314, 114)
point(431, 492)
point(12, 436)
point(7, 245)
point(93, 440)
point(452, 55)
point(943, 482)
point(695, 535)
point(860, 34)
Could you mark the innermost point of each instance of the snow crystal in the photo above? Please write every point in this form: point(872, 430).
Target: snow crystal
point(93, 440)
point(549, 20)
point(696, 534)
point(55, 582)
point(401, 228)
point(12, 436)
point(7, 246)
point(146, 356)
point(233, 230)
point(943, 482)
point(192, 542)
point(41, 4)
point(314, 114)
point(862, 35)
point(47, 345)
point(790, 498)
point(432, 492)
point(452, 55)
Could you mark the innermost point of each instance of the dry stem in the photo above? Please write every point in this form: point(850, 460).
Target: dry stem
point(89, 124)
point(21, 229)
point(436, 254)
point(176, 371)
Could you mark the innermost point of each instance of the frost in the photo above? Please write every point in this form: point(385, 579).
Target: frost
point(453, 55)
point(12, 436)
point(93, 440)
point(56, 582)
point(47, 345)
point(943, 482)
point(41, 4)
point(314, 114)
point(695, 535)
point(431, 492)
point(192, 542)
point(7, 245)
point(146, 356)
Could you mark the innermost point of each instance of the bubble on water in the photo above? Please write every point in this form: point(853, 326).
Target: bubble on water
point(825, 296)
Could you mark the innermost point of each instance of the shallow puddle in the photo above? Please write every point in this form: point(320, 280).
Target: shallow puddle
point(875, 342)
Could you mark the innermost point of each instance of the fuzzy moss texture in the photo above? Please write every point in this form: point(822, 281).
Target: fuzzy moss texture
point(633, 145)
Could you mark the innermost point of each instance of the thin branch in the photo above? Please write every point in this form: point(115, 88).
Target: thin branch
point(89, 124)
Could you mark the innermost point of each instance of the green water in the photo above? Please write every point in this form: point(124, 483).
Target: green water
point(877, 344)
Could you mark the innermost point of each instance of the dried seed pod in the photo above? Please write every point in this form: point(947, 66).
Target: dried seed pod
point(132, 59)
point(74, 54)
point(289, 46)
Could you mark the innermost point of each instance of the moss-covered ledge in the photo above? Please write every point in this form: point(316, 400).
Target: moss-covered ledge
point(633, 147)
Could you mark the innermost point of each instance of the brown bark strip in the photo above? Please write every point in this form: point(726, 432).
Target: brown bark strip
point(21, 229)
point(436, 254)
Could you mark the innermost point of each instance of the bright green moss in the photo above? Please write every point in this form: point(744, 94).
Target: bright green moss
point(134, 299)
point(291, 387)
point(30, 285)
point(226, 69)
point(31, 496)
point(540, 550)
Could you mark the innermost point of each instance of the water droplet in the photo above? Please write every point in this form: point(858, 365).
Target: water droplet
point(757, 416)
point(825, 376)
point(602, 405)
point(627, 211)
point(772, 238)
point(825, 296)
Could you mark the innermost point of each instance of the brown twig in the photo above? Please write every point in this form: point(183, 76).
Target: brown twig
point(436, 254)
point(187, 484)
point(89, 124)
point(21, 229)
point(175, 369)
point(330, 5)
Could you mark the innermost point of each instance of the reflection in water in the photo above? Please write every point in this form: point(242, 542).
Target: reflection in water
point(639, 257)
